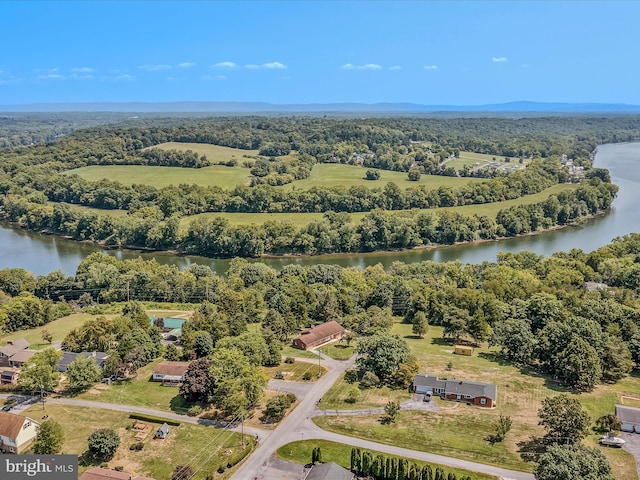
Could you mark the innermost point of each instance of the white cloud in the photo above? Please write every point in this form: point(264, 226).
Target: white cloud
point(214, 77)
point(76, 76)
point(52, 75)
point(430, 67)
point(499, 59)
point(368, 66)
point(154, 68)
point(82, 70)
point(395, 67)
point(277, 65)
point(125, 77)
point(224, 65)
point(185, 65)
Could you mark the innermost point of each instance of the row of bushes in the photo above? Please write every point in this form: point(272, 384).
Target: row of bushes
point(151, 418)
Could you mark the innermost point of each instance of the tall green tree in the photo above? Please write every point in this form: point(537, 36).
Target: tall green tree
point(40, 371)
point(83, 373)
point(573, 462)
point(49, 439)
point(564, 419)
point(382, 354)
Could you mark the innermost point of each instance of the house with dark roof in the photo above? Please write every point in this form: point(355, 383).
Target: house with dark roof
point(170, 373)
point(474, 393)
point(98, 473)
point(318, 335)
point(629, 417)
point(329, 471)
point(68, 357)
point(17, 432)
point(9, 376)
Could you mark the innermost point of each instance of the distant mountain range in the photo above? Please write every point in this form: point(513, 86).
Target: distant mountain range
point(261, 107)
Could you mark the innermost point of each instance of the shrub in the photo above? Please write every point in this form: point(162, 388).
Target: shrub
point(369, 379)
point(289, 360)
point(151, 418)
point(136, 447)
point(194, 411)
point(118, 468)
point(306, 376)
point(103, 443)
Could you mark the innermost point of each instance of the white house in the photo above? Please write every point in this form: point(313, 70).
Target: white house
point(17, 432)
point(170, 373)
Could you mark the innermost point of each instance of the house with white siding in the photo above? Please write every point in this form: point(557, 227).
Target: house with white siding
point(17, 432)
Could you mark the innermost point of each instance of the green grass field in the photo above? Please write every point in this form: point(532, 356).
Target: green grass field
point(214, 176)
point(294, 372)
point(206, 447)
point(457, 429)
point(300, 452)
point(139, 391)
point(214, 153)
point(58, 328)
point(338, 175)
point(339, 351)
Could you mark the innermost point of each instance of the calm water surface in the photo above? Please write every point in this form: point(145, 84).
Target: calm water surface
point(42, 254)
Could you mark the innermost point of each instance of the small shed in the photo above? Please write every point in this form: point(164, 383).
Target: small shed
point(163, 431)
point(463, 350)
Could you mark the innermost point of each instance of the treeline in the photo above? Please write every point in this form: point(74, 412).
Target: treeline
point(377, 230)
point(382, 467)
point(173, 158)
point(194, 199)
point(540, 311)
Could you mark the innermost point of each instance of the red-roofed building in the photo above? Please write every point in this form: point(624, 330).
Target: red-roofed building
point(17, 432)
point(318, 335)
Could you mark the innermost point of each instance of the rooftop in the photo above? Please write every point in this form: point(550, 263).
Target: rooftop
point(11, 424)
point(98, 473)
point(321, 331)
point(628, 414)
point(171, 368)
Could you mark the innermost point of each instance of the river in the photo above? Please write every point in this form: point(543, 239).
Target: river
point(42, 254)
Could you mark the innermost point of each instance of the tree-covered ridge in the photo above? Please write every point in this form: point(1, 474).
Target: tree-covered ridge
point(32, 177)
point(540, 311)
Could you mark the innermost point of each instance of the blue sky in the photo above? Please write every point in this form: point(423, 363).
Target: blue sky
point(460, 53)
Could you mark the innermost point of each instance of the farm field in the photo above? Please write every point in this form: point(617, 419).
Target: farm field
point(214, 153)
point(474, 160)
point(300, 452)
point(159, 177)
point(457, 429)
point(338, 175)
point(302, 219)
point(185, 444)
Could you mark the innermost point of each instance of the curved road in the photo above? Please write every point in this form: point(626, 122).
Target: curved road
point(299, 426)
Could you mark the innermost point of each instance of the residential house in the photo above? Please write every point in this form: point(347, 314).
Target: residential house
point(329, 471)
point(629, 417)
point(163, 431)
point(68, 357)
point(318, 335)
point(18, 359)
point(98, 473)
point(474, 393)
point(17, 432)
point(10, 349)
point(170, 373)
point(9, 376)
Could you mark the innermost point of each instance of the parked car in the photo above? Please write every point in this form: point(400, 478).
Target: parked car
point(6, 408)
point(427, 397)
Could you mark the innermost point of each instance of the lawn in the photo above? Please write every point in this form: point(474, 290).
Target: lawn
point(300, 452)
point(139, 391)
point(339, 351)
point(520, 394)
point(338, 175)
point(58, 328)
point(289, 351)
point(203, 447)
point(294, 372)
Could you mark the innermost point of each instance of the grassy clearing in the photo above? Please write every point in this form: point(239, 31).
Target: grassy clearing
point(58, 328)
point(300, 452)
point(294, 372)
point(214, 176)
point(339, 351)
point(214, 153)
point(254, 419)
point(338, 175)
point(205, 447)
point(139, 391)
point(520, 393)
point(289, 351)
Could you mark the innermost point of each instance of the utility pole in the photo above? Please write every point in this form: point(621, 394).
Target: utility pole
point(319, 358)
point(242, 429)
point(42, 395)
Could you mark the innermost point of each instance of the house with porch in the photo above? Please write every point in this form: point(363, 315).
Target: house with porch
point(170, 373)
point(17, 432)
point(474, 393)
point(10, 349)
point(68, 357)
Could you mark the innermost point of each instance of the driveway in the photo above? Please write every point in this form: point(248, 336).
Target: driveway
point(632, 446)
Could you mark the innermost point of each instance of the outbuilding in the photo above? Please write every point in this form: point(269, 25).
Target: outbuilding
point(163, 431)
point(629, 417)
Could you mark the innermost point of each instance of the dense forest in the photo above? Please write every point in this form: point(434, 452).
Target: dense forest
point(575, 315)
point(37, 193)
